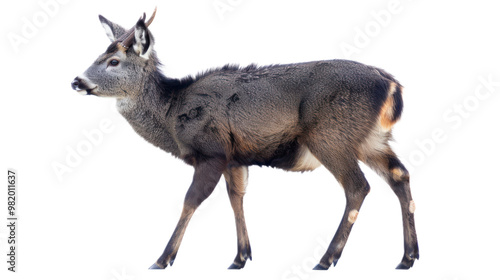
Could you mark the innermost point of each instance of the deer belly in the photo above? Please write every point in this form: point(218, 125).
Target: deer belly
point(305, 160)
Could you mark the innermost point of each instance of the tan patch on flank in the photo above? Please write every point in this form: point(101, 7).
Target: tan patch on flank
point(412, 207)
point(353, 215)
point(386, 112)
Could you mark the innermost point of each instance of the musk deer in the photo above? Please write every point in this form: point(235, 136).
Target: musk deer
point(295, 117)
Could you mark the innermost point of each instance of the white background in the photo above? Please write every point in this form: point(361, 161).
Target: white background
point(112, 215)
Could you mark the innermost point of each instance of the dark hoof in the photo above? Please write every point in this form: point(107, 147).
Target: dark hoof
point(404, 266)
point(407, 262)
point(238, 263)
point(155, 266)
point(236, 266)
point(320, 267)
point(241, 259)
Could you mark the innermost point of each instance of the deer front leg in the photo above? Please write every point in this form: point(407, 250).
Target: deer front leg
point(236, 181)
point(206, 176)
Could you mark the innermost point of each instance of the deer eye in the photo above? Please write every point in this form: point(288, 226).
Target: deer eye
point(114, 62)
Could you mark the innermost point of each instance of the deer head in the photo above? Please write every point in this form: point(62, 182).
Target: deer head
point(122, 69)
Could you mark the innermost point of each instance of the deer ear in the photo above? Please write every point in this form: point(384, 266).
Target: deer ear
point(113, 30)
point(143, 40)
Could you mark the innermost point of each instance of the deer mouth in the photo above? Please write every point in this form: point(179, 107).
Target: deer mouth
point(83, 86)
point(90, 91)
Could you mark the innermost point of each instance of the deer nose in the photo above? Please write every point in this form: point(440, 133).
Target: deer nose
point(76, 83)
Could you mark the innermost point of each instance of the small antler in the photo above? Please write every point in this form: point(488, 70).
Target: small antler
point(126, 39)
point(150, 20)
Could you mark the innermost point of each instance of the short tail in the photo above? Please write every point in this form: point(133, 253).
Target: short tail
point(393, 105)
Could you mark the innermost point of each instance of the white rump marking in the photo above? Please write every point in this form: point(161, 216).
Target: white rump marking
point(376, 142)
point(306, 161)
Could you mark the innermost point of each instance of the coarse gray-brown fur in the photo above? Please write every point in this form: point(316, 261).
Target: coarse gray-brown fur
point(295, 117)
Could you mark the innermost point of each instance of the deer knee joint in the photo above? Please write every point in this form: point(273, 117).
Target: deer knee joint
point(353, 215)
point(399, 174)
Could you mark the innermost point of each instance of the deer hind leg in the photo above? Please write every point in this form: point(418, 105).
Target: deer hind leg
point(386, 163)
point(206, 176)
point(236, 182)
point(343, 164)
